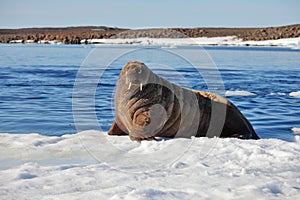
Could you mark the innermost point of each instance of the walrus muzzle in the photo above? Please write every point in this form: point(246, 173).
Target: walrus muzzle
point(148, 106)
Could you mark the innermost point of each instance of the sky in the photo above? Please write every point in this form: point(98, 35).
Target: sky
point(151, 13)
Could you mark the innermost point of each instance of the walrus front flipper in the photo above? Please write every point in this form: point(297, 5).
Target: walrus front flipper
point(116, 130)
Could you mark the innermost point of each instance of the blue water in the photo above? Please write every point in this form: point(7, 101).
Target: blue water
point(37, 83)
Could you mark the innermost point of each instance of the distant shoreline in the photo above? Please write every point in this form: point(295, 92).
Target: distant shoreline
point(110, 35)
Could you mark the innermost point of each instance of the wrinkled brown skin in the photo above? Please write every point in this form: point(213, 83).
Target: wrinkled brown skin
point(148, 106)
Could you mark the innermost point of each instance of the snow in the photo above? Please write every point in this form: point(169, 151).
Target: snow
point(76, 167)
point(293, 43)
point(173, 42)
point(238, 93)
point(288, 42)
point(229, 40)
point(295, 94)
point(29, 41)
point(16, 41)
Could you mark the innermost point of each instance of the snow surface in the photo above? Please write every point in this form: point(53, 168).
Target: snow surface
point(238, 93)
point(295, 94)
point(173, 42)
point(76, 167)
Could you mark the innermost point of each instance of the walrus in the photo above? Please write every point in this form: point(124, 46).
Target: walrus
point(148, 106)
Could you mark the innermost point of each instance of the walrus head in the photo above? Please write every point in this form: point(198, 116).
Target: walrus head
point(136, 74)
point(137, 102)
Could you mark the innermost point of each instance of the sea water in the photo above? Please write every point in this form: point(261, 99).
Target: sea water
point(37, 84)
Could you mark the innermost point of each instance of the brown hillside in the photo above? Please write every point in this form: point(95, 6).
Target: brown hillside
point(73, 35)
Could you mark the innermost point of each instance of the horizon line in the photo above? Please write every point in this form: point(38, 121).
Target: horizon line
point(149, 27)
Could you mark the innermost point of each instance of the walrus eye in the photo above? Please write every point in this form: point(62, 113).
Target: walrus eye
point(140, 71)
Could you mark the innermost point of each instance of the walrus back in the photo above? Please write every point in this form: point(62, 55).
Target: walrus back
point(235, 123)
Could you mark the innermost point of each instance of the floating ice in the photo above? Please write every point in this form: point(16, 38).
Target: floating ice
point(295, 94)
point(277, 93)
point(296, 130)
point(239, 93)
